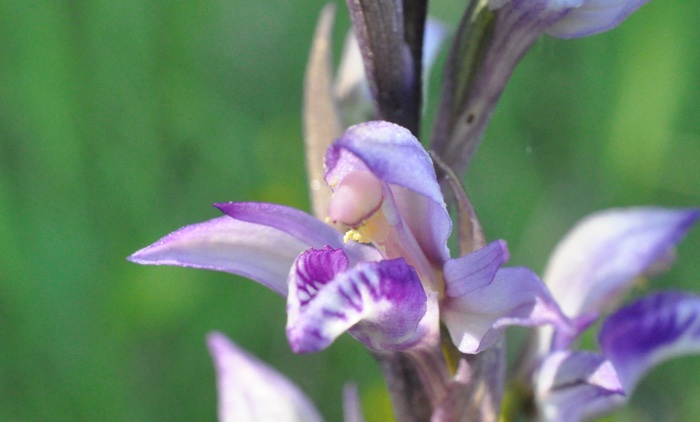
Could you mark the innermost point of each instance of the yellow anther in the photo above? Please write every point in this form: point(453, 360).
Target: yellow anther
point(356, 236)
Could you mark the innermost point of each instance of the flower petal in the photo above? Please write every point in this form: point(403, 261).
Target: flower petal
point(396, 157)
point(481, 300)
point(572, 386)
point(352, 409)
point(474, 270)
point(249, 390)
point(594, 16)
point(533, 7)
point(599, 258)
point(650, 331)
point(381, 303)
point(262, 253)
point(300, 225)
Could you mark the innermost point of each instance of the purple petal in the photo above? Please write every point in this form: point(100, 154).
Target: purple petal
point(352, 410)
point(594, 16)
point(396, 157)
point(475, 270)
point(532, 7)
point(249, 390)
point(380, 303)
point(600, 257)
point(480, 301)
point(650, 331)
point(264, 254)
point(572, 386)
point(296, 223)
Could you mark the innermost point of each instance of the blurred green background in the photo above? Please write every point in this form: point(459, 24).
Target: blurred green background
point(121, 121)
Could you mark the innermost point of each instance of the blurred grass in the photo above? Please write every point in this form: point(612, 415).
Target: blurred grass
point(122, 121)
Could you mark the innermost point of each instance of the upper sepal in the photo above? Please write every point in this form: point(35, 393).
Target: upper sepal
point(249, 390)
point(382, 304)
point(392, 154)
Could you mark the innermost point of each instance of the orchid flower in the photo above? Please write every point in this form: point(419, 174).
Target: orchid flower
point(249, 390)
point(590, 270)
point(499, 33)
point(389, 295)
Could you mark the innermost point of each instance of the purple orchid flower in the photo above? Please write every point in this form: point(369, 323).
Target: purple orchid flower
point(593, 266)
point(249, 390)
point(390, 295)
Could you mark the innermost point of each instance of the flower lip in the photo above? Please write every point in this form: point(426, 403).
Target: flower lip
point(382, 304)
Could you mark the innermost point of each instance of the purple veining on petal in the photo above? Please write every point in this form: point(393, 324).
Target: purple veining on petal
point(256, 251)
point(474, 270)
point(298, 224)
point(597, 261)
point(249, 390)
point(572, 386)
point(593, 17)
point(379, 303)
point(515, 296)
point(314, 268)
point(650, 331)
point(396, 157)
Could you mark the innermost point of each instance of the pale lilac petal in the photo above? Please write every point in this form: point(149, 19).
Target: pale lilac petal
point(352, 409)
point(396, 157)
point(262, 253)
point(249, 390)
point(480, 302)
point(603, 254)
point(380, 303)
point(594, 16)
point(650, 331)
point(474, 270)
point(572, 386)
point(534, 6)
point(300, 225)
